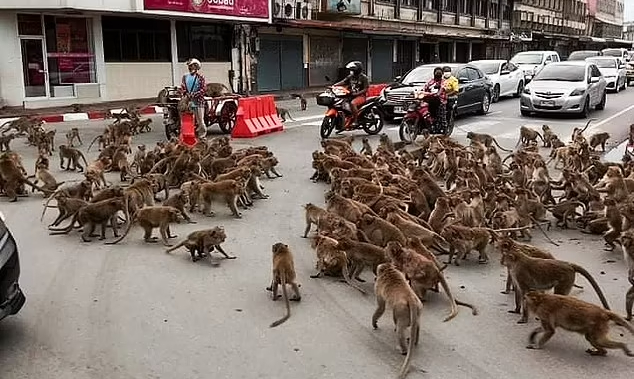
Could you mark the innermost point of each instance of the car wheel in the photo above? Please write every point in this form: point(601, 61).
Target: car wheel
point(520, 89)
point(485, 104)
point(525, 113)
point(496, 93)
point(601, 105)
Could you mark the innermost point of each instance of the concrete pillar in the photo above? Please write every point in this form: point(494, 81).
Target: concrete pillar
point(470, 52)
point(453, 51)
point(369, 60)
point(174, 47)
point(100, 62)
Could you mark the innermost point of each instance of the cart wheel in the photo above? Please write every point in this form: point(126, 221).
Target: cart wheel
point(228, 117)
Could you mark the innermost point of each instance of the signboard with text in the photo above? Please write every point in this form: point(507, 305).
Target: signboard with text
point(245, 9)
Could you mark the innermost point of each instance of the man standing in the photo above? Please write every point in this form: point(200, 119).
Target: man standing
point(193, 84)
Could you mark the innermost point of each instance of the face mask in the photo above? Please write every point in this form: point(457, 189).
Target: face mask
point(447, 75)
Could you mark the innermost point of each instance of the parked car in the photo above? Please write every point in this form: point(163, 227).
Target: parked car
point(581, 55)
point(475, 93)
point(613, 70)
point(565, 87)
point(11, 297)
point(507, 78)
point(617, 52)
point(530, 62)
point(629, 72)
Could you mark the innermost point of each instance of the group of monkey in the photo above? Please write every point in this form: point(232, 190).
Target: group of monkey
point(386, 211)
point(207, 172)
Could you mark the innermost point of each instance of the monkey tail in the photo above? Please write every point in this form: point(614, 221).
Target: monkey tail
point(540, 136)
point(346, 276)
point(452, 299)
point(83, 158)
point(587, 124)
point(594, 284)
point(536, 223)
point(501, 148)
point(620, 321)
point(414, 317)
point(288, 305)
point(127, 230)
point(93, 141)
point(35, 186)
point(67, 229)
point(440, 243)
point(46, 204)
point(474, 310)
point(180, 244)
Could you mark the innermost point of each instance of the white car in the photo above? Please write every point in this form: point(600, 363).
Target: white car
point(613, 71)
point(532, 61)
point(507, 78)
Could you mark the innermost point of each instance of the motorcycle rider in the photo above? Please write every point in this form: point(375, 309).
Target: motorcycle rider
point(438, 102)
point(194, 85)
point(358, 84)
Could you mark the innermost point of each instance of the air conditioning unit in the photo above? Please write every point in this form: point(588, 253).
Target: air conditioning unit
point(288, 9)
point(278, 6)
point(305, 10)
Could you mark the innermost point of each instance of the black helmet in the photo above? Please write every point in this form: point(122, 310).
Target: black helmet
point(355, 66)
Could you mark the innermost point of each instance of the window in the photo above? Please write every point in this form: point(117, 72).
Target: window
point(595, 71)
point(494, 10)
point(449, 5)
point(411, 3)
point(29, 25)
point(465, 6)
point(473, 73)
point(127, 39)
point(206, 42)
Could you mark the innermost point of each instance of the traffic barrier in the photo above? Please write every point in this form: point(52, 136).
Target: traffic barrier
point(188, 131)
point(256, 116)
point(375, 89)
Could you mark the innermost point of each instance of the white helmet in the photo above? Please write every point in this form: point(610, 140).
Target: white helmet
point(193, 61)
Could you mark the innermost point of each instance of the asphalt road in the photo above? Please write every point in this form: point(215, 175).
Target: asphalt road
point(132, 311)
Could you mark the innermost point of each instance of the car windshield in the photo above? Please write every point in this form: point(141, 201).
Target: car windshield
point(528, 58)
point(604, 63)
point(581, 55)
point(489, 68)
point(562, 73)
point(613, 52)
point(419, 75)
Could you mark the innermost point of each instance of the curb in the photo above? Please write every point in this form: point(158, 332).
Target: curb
point(92, 115)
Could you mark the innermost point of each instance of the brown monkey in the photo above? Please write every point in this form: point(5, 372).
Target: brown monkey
point(391, 288)
point(178, 201)
point(67, 207)
point(216, 89)
point(11, 173)
point(529, 273)
point(529, 136)
point(367, 148)
point(303, 104)
point(598, 139)
point(331, 260)
point(120, 163)
point(627, 242)
point(268, 167)
point(150, 217)
point(283, 113)
point(139, 157)
point(219, 166)
point(361, 255)
point(50, 184)
point(5, 141)
point(486, 139)
point(574, 315)
point(93, 214)
point(73, 135)
point(73, 156)
point(228, 190)
point(202, 242)
point(283, 274)
point(379, 231)
point(313, 214)
point(615, 223)
point(548, 135)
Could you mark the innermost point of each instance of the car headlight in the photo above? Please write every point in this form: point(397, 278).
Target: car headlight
point(527, 90)
point(578, 92)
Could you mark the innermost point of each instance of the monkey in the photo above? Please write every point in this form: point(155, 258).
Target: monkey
point(578, 132)
point(529, 273)
point(150, 217)
point(139, 157)
point(486, 139)
point(144, 125)
point(159, 183)
point(93, 214)
point(564, 210)
point(50, 184)
point(529, 136)
point(331, 260)
point(5, 141)
point(120, 163)
point(229, 190)
point(73, 156)
point(268, 167)
point(71, 136)
point(391, 289)
point(108, 193)
point(81, 190)
point(627, 243)
point(178, 201)
point(347, 208)
point(202, 242)
point(253, 185)
point(366, 149)
point(11, 173)
point(411, 229)
point(283, 113)
point(548, 135)
point(614, 184)
point(283, 274)
point(615, 223)
point(313, 214)
point(379, 231)
point(361, 255)
point(599, 139)
point(219, 166)
point(303, 104)
point(67, 207)
point(574, 315)
point(216, 89)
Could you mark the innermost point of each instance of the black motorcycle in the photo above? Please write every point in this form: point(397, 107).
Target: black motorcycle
point(171, 115)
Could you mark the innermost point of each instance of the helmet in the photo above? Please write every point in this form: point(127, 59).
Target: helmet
point(193, 61)
point(355, 66)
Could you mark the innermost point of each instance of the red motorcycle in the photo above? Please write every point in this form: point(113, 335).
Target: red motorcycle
point(418, 119)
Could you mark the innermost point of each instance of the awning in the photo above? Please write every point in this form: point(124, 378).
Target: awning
point(592, 39)
point(618, 40)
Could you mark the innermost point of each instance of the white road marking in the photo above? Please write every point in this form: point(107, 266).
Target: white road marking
point(307, 118)
point(75, 116)
point(595, 128)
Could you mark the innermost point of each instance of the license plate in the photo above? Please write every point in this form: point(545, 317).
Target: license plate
point(399, 110)
point(548, 103)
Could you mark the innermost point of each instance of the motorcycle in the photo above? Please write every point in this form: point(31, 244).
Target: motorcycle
point(418, 119)
point(171, 115)
point(337, 99)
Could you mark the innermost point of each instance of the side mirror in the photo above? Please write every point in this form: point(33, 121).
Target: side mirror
point(505, 72)
point(594, 79)
point(398, 78)
point(463, 80)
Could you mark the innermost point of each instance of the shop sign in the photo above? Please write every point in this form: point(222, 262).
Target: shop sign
point(253, 9)
point(342, 6)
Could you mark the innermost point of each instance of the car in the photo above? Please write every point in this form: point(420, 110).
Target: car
point(570, 87)
point(617, 52)
point(629, 72)
point(11, 296)
point(581, 55)
point(474, 96)
point(507, 78)
point(530, 62)
point(613, 70)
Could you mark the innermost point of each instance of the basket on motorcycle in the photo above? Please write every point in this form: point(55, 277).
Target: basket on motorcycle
point(325, 99)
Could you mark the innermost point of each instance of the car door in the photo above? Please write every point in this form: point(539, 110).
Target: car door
point(516, 76)
point(477, 86)
point(594, 88)
point(464, 90)
point(505, 75)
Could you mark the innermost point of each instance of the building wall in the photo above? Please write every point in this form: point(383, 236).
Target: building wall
point(98, 5)
point(136, 80)
point(11, 80)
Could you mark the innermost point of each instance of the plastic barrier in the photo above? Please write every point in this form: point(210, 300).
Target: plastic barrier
point(375, 89)
point(256, 116)
point(188, 131)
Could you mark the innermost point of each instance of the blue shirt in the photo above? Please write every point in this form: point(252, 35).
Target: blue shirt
point(192, 87)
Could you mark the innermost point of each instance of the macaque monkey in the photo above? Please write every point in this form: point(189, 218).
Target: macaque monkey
point(71, 136)
point(202, 242)
point(486, 139)
point(367, 148)
point(283, 113)
point(283, 274)
point(72, 155)
point(599, 139)
point(627, 243)
point(150, 217)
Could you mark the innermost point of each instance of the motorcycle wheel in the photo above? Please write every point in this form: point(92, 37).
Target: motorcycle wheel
point(407, 130)
point(327, 126)
point(171, 130)
point(373, 121)
point(228, 117)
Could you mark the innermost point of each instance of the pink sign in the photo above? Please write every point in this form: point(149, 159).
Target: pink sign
point(236, 8)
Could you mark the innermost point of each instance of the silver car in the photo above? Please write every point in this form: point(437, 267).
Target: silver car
point(572, 87)
point(613, 71)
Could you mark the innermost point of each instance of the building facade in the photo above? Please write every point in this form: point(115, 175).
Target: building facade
point(61, 52)
point(628, 31)
point(605, 18)
point(310, 41)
